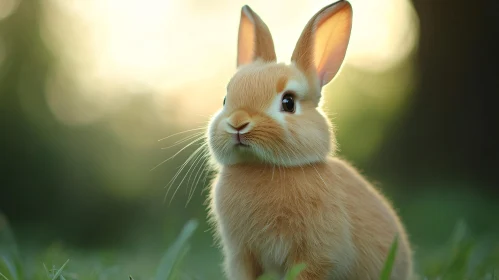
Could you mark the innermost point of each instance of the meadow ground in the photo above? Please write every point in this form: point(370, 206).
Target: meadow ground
point(462, 257)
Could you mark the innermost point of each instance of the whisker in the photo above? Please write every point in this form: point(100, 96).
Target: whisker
point(189, 159)
point(206, 157)
point(182, 132)
point(170, 184)
point(198, 160)
point(173, 195)
point(198, 175)
point(185, 139)
point(186, 146)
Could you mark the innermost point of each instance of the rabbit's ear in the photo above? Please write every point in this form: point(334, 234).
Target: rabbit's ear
point(255, 41)
point(323, 43)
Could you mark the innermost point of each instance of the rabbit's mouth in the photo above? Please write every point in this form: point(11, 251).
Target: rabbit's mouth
point(239, 140)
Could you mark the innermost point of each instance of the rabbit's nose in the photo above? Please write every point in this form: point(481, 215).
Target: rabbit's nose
point(240, 126)
point(239, 121)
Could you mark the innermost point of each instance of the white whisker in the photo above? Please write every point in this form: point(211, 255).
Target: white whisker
point(176, 189)
point(186, 146)
point(193, 166)
point(199, 161)
point(169, 185)
point(198, 175)
point(182, 132)
point(199, 134)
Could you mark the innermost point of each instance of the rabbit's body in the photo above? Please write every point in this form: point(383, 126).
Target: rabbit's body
point(280, 198)
point(325, 215)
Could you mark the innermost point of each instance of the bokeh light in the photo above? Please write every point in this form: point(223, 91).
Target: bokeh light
point(384, 33)
point(7, 7)
point(111, 49)
point(88, 87)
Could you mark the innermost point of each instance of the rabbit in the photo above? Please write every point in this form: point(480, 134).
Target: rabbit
point(280, 197)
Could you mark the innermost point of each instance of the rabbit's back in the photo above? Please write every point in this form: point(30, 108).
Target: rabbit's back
point(374, 225)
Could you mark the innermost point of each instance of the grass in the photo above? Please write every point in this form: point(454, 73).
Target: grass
point(390, 260)
point(463, 258)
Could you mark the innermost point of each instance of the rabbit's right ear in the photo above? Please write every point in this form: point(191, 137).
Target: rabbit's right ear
point(255, 41)
point(322, 45)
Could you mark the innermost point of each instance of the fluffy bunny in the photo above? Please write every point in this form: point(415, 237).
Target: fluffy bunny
point(280, 198)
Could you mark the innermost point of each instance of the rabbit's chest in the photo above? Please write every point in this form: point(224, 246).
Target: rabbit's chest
point(264, 217)
point(254, 213)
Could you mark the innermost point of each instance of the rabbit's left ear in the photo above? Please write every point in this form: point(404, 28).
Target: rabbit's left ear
point(323, 43)
point(255, 41)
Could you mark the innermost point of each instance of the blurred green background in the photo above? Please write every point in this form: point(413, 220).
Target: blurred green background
point(87, 88)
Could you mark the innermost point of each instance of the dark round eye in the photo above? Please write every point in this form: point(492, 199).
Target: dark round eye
point(224, 100)
point(288, 102)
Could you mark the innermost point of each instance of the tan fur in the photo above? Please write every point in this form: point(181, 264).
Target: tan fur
point(238, 118)
point(325, 215)
point(281, 84)
point(282, 198)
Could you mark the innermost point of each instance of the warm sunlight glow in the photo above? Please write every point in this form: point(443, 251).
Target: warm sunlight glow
point(112, 48)
point(384, 33)
point(7, 7)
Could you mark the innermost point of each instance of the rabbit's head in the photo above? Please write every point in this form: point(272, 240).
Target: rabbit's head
point(271, 111)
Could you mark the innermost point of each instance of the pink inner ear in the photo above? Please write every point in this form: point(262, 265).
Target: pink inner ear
point(246, 40)
point(331, 40)
point(255, 40)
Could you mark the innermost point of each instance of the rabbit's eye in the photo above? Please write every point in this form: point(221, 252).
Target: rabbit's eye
point(288, 102)
point(224, 100)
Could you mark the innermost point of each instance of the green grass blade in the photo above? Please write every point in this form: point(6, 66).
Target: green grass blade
point(295, 271)
point(3, 276)
point(46, 271)
point(175, 273)
point(9, 267)
point(390, 260)
point(60, 270)
point(171, 257)
point(9, 255)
